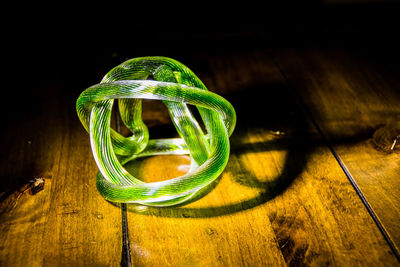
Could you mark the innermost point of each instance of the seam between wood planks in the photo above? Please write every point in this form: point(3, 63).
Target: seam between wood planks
point(126, 251)
point(308, 113)
point(126, 260)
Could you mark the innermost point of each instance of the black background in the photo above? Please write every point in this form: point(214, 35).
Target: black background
point(49, 34)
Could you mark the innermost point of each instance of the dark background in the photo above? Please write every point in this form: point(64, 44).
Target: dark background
point(76, 45)
point(50, 34)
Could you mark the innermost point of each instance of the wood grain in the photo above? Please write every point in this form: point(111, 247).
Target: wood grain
point(355, 97)
point(67, 223)
point(282, 200)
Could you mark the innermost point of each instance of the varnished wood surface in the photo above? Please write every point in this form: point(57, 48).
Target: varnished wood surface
point(355, 98)
point(282, 200)
point(67, 223)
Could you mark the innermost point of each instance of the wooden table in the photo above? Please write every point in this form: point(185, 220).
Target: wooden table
point(311, 179)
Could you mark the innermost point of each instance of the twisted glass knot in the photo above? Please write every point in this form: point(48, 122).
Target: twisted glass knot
point(176, 85)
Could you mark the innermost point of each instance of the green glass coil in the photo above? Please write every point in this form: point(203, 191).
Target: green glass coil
point(176, 85)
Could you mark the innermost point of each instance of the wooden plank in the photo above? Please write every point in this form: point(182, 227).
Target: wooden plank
point(355, 100)
point(282, 200)
point(66, 223)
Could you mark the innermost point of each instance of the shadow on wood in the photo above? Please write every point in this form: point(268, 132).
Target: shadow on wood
point(254, 110)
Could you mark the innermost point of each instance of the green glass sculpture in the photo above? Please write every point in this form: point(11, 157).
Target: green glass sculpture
point(176, 85)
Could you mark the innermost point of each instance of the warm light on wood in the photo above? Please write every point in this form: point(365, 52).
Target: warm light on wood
point(283, 199)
